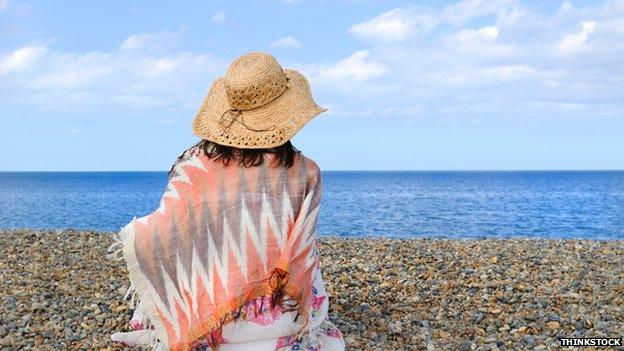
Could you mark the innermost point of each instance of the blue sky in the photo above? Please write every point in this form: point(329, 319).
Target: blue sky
point(426, 85)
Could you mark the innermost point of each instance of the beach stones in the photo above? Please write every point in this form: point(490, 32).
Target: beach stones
point(53, 277)
point(510, 294)
point(59, 292)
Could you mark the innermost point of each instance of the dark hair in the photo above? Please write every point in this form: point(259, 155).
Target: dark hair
point(284, 154)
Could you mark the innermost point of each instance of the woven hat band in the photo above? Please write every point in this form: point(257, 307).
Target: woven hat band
point(254, 81)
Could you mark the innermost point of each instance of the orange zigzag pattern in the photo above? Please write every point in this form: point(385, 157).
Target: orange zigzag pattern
point(218, 235)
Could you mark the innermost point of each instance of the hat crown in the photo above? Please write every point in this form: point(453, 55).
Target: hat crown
point(254, 80)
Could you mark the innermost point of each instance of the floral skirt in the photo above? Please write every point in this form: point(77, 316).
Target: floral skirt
point(270, 330)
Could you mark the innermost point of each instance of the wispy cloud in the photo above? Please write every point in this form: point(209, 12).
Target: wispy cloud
point(4, 4)
point(21, 59)
point(130, 77)
point(578, 41)
point(218, 17)
point(477, 58)
point(286, 42)
point(400, 24)
point(151, 41)
point(465, 60)
point(355, 68)
point(394, 25)
point(472, 36)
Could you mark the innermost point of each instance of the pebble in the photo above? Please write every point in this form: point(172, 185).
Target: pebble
point(553, 325)
point(530, 341)
point(58, 291)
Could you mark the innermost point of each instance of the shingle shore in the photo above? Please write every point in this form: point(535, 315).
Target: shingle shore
point(59, 292)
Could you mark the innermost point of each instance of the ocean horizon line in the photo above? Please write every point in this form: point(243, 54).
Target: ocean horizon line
point(560, 203)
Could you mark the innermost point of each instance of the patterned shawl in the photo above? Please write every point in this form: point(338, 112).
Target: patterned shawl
point(223, 236)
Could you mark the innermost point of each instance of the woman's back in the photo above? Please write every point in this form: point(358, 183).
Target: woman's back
point(225, 237)
point(229, 258)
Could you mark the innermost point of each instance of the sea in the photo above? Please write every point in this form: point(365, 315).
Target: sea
point(403, 204)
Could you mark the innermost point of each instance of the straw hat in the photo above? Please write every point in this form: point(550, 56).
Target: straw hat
point(257, 104)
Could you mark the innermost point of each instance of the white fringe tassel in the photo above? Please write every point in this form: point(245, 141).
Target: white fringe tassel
point(115, 252)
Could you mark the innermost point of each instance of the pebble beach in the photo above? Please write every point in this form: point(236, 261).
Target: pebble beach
point(58, 291)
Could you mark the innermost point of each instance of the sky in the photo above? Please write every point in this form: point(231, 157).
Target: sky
point(409, 85)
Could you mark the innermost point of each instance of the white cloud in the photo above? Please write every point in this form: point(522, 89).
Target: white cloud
point(577, 42)
point(135, 41)
point(566, 6)
point(75, 131)
point(20, 59)
point(151, 41)
point(485, 76)
point(464, 11)
point(355, 68)
point(399, 24)
point(218, 17)
point(509, 71)
point(472, 36)
point(492, 60)
point(394, 25)
point(485, 59)
point(286, 42)
point(135, 80)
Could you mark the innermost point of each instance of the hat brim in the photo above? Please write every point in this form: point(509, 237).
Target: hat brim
point(267, 126)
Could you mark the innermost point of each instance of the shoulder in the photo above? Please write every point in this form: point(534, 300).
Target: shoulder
point(189, 157)
point(312, 168)
point(310, 164)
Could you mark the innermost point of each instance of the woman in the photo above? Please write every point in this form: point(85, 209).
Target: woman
point(229, 260)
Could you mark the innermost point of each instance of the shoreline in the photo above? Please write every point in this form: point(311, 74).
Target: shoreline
point(60, 292)
point(324, 237)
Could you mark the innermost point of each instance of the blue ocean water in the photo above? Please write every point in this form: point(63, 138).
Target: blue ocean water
point(578, 204)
